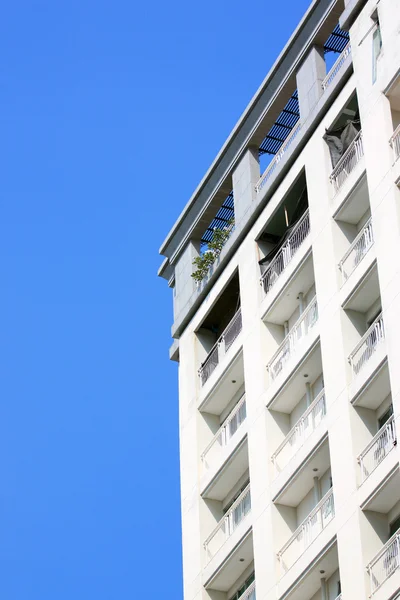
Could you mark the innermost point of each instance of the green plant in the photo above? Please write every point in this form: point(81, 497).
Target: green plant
point(214, 247)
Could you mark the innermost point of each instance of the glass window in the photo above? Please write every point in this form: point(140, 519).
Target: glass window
point(376, 50)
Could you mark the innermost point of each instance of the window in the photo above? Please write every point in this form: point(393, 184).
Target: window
point(385, 417)
point(243, 588)
point(394, 526)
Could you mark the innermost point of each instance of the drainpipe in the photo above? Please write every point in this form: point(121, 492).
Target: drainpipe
point(317, 497)
point(301, 302)
point(286, 327)
point(308, 394)
point(324, 594)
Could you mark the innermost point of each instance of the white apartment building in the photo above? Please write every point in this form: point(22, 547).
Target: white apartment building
point(289, 345)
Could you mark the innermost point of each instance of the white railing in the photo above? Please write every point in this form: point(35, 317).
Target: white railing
point(347, 162)
point(277, 158)
point(286, 253)
point(379, 447)
point(336, 67)
point(224, 434)
point(395, 143)
point(385, 563)
point(357, 251)
point(300, 432)
point(221, 347)
point(229, 522)
point(367, 346)
point(294, 339)
point(339, 597)
point(250, 593)
point(308, 531)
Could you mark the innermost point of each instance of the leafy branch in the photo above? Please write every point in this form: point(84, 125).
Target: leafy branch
point(214, 247)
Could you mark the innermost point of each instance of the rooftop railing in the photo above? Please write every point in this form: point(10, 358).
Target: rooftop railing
point(347, 162)
point(300, 432)
point(224, 434)
point(395, 143)
point(336, 67)
point(286, 253)
point(229, 522)
point(273, 165)
point(367, 346)
point(357, 251)
point(379, 447)
point(385, 563)
point(294, 339)
point(221, 347)
point(308, 531)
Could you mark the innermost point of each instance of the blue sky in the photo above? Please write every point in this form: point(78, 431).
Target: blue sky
point(110, 114)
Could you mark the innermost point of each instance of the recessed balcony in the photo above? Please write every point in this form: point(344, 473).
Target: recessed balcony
point(357, 251)
point(228, 524)
point(385, 564)
point(347, 163)
point(221, 348)
point(301, 431)
point(307, 532)
point(286, 253)
point(368, 348)
point(214, 452)
point(295, 342)
point(377, 450)
point(250, 593)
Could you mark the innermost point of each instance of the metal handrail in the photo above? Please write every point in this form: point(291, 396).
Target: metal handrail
point(214, 352)
point(302, 317)
point(303, 417)
point(308, 518)
point(277, 158)
point(394, 542)
point(365, 336)
point(356, 239)
point(227, 514)
point(286, 253)
point(337, 65)
point(384, 440)
point(361, 244)
point(395, 143)
point(247, 593)
point(225, 424)
point(356, 148)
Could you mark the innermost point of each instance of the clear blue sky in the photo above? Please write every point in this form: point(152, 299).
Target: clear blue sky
point(110, 114)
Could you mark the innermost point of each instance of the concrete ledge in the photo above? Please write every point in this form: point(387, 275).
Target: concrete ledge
point(353, 7)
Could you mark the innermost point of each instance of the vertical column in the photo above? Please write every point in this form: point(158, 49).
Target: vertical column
point(244, 179)
point(184, 283)
point(352, 568)
point(259, 451)
point(309, 81)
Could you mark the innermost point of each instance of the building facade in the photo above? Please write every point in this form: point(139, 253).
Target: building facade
point(288, 341)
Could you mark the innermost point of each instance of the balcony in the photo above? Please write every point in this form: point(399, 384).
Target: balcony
point(286, 253)
point(308, 531)
point(214, 451)
point(385, 563)
point(347, 162)
point(228, 524)
point(379, 447)
point(395, 143)
point(273, 165)
point(250, 593)
point(337, 66)
point(300, 432)
point(294, 342)
point(221, 347)
point(369, 344)
point(357, 251)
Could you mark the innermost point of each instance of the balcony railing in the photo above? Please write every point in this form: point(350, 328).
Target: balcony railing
point(357, 251)
point(367, 346)
point(273, 165)
point(308, 531)
point(336, 67)
point(347, 162)
point(250, 593)
point(395, 143)
point(286, 253)
point(224, 434)
point(300, 432)
point(294, 339)
point(229, 522)
point(385, 563)
point(379, 447)
point(221, 347)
